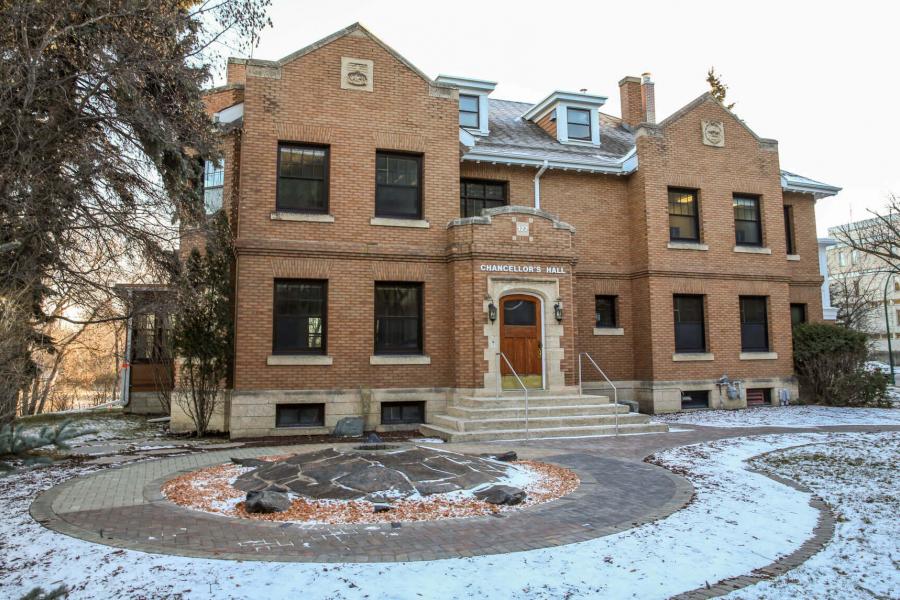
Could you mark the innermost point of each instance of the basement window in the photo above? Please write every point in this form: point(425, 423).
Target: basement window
point(695, 399)
point(759, 396)
point(299, 415)
point(402, 413)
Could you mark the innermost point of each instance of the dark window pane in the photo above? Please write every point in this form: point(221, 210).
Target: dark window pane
point(519, 312)
point(579, 116)
point(689, 324)
point(299, 316)
point(397, 186)
point(747, 227)
point(684, 223)
point(789, 230)
point(695, 399)
point(475, 196)
point(398, 318)
point(605, 309)
point(798, 314)
point(754, 324)
point(299, 415)
point(394, 413)
point(302, 179)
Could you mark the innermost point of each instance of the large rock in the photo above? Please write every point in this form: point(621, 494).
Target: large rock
point(265, 501)
point(502, 494)
point(509, 456)
point(349, 427)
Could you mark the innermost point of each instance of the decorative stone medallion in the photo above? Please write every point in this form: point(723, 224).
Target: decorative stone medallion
point(357, 74)
point(713, 133)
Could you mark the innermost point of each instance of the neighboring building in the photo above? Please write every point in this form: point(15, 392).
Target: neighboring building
point(394, 233)
point(829, 312)
point(859, 285)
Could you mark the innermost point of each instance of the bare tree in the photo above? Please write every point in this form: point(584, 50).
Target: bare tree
point(102, 123)
point(857, 299)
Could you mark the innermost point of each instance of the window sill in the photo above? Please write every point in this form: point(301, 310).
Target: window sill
point(609, 331)
point(687, 246)
point(793, 257)
point(753, 250)
point(399, 359)
point(306, 217)
point(759, 355)
point(387, 222)
point(693, 356)
point(281, 360)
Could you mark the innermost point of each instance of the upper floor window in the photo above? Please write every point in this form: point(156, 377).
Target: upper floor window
point(854, 257)
point(299, 316)
point(398, 318)
point(213, 184)
point(302, 179)
point(747, 223)
point(684, 215)
point(754, 324)
point(789, 230)
point(842, 259)
point(475, 196)
point(398, 189)
point(578, 123)
point(469, 111)
point(605, 312)
point(690, 329)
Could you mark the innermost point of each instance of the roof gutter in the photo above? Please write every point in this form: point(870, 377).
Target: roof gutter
point(626, 166)
point(537, 184)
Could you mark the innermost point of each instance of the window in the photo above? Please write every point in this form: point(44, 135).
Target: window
point(747, 226)
point(397, 182)
point(842, 259)
point(299, 415)
point(302, 179)
point(468, 111)
point(854, 257)
point(578, 123)
point(684, 218)
point(759, 396)
point(475, 196)
point(789, 229)
point(149, 338)
point(213, 182)
point(798, 314)
point(690, 334)
point(398, 318)
point(299, 323)
point(754, 324)
point(402, 413)
point(695, 399)
point(605, 311)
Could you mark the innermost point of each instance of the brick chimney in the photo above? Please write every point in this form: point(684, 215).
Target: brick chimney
point(648, 99)
point(632, 101)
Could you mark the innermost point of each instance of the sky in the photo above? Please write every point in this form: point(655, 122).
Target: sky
point(822, 78)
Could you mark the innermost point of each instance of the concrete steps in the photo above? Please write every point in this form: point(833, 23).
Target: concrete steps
point(483, 418)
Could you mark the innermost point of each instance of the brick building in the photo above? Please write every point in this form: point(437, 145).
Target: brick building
point(395, 234)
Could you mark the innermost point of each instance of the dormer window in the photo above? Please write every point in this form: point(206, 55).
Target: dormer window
point(578, 121)
point(473, 104)
point(468, 111)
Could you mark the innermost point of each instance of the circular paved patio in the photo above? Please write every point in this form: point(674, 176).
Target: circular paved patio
point(123, 507)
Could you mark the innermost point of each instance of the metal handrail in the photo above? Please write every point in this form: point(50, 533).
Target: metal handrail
point(611, 384)
point(500, 386)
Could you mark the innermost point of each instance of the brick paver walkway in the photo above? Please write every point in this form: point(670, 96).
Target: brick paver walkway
point(123, 507)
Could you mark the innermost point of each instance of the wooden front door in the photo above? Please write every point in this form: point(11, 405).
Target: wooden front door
point(520, 340)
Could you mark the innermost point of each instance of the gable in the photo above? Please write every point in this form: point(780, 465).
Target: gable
point(707, 106)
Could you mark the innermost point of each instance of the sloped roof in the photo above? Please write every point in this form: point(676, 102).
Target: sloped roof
point(513, 136)
point(791, 182)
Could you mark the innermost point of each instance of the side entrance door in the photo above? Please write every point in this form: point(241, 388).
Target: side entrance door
point(520, 340)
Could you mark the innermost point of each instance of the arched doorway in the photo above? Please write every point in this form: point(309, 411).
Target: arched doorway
point(521, 340)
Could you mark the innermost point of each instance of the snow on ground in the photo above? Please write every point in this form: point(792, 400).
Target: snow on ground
point(738, 521)
point(784, 416)
point(859, 479)
point(108, 425)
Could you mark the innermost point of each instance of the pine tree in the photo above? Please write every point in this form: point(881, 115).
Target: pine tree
point(17, 443)
point(717, 87)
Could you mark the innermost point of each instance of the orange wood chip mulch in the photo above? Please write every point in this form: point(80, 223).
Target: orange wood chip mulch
point(210, 490)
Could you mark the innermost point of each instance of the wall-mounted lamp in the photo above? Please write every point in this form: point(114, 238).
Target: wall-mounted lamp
point(492, 310)
point(558, 310)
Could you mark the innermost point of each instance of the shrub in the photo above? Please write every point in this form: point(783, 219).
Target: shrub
point(830, 362)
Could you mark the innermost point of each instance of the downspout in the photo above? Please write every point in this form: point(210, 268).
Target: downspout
point(126, 358)
point(537, 184)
